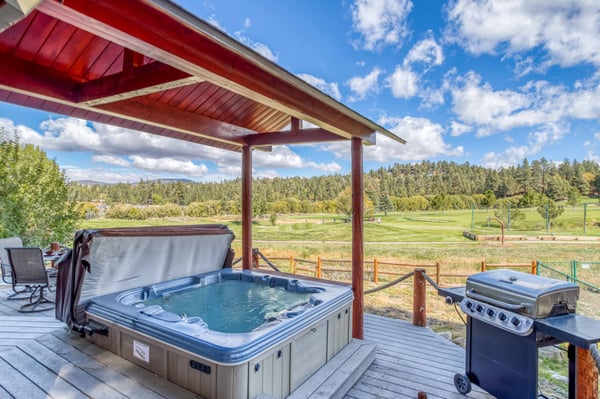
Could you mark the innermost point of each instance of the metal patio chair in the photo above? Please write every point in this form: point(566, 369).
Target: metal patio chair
point(29, 271)
point(11, 242)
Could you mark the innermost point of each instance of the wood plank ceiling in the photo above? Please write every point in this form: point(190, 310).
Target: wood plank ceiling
point(150, 66)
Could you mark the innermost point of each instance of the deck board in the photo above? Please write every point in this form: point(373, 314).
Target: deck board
point(39, 358)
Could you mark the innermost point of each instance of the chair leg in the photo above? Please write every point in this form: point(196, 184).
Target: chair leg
point(32, 306)
point(19, 294)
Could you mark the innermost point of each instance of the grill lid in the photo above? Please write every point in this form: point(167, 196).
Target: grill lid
point(535, 296)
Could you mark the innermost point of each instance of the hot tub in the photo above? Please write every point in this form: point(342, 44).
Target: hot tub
point(221, 333)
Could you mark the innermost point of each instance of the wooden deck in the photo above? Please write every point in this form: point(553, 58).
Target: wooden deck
point(40, 359)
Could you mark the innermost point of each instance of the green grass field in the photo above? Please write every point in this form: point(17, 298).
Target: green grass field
point(409, 236)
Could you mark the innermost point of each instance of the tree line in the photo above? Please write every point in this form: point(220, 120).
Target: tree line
point(400, 187)
point(34, 198)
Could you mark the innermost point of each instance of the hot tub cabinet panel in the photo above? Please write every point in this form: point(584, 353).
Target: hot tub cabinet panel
point(276, 372)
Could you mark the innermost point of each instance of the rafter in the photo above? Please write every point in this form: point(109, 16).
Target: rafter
point(133, 82)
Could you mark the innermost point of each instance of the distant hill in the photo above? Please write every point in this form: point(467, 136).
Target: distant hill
point(101, 183)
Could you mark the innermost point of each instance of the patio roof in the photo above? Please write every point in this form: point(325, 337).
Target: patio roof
point(151, 66)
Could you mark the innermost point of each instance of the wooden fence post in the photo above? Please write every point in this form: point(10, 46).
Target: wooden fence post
point(294, 265)
point(255, 258)
point(319, 265)
point(587, 375)
point(419, 299)
point(483, 266)
point(437, 273)
point(375, 271)
point(534, 267)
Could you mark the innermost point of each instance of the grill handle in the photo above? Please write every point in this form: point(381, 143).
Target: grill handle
point(495, 302)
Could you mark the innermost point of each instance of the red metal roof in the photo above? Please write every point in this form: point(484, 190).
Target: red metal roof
point(153, 67)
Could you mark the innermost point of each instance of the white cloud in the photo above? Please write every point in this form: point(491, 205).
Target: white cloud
point(363, 86)
point(427, 51)
point(330, 167)
point(111, 160)
point(24, 133)
point(403, 82)
point(424, 140)
point(155, 155)
point(259, 47)
point(331, 89)
point(567, 31)
point(478, 104)
point(458, 129)
point(283, 157)
point(169, 165)
point(547, 135)
point(536, 103)
point(104, 175)
point(381, 22)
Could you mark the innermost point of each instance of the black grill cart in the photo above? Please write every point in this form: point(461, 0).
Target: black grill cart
point(505, 329)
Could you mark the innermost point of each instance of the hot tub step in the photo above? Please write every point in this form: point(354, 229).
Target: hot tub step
point(336, 377)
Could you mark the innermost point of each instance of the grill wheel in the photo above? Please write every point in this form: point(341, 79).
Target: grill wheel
point(462, 383)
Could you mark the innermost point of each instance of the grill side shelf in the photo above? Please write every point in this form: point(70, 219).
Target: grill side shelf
point(452, 294)
point(575, 329)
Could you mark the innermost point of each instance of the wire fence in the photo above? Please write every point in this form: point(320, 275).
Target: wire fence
point(584, 273)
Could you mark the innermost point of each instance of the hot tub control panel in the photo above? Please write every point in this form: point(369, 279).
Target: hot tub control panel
point(514, 322)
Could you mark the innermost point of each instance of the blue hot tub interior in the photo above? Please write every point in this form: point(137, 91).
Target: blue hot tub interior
point(227, 316)
point(233, 303)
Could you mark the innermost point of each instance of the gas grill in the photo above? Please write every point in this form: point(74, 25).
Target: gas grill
point(510, 315)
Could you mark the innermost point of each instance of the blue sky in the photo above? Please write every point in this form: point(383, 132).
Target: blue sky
point(485, 82)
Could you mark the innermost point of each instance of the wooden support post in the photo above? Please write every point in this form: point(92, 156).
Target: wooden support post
point(246, 207)
point(357, 239)
point(419, 299)
point(292, 267)
point(534, 267)
point(375, 271)
point(483, 267)
point(437, 273)
point(587, 375)
point(319, 265)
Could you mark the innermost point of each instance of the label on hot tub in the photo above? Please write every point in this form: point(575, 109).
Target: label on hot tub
point(141, 351)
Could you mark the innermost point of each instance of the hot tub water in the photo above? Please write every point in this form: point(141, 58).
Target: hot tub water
point(248, 306)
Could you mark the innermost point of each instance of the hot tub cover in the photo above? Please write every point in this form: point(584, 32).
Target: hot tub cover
point(104, 261)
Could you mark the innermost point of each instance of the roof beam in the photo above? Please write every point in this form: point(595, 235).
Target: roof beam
point(302, 136)
point(133, 82)
point(118, 21)
point(147, 111)
point(25, 77)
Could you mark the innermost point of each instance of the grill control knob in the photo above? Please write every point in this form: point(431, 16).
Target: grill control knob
point(515, 322)
point(469, 304)
point(502, 316)
point(491, 312)
point(479, 308)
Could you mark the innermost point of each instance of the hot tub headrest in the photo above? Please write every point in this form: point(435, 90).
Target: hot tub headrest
point(110, 260)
